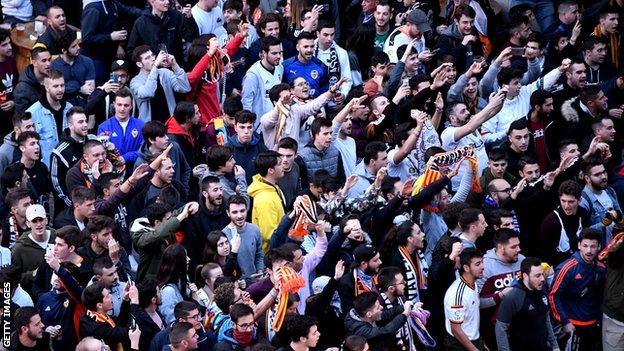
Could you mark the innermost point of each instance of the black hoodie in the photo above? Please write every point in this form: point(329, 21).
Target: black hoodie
point(28, 90)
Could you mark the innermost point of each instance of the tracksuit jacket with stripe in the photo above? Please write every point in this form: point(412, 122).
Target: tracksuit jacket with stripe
point(576, 293)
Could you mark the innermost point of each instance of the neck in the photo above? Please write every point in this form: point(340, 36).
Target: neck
point(319, 147)
point(527, 285)
point(390, 296)
point(594, 190)
point(410, 248)
point(469, 278)
point(471, 236)
point(28, 162)
point(26, 341)
point(203, 6)
point(122, 119)
point(237, 227)
point(535, 116)
point(515, 41)
point(603, 30)
point(67, 58)
point(209, 205)
point(325, 47)
point(301, 58)
point(154, 150)
point(40, 76)
point(187, 126)
point(21, 221)
point(515, 149)
point(157, 13)
point(55, 104)
point(38, 237)
point(157, 182)
point(267, 65)
point(269, 179)
point(75, 136)
point(151, 308)
point(79, 217)
point(96, 248)
point(382, 29)
point(298, 346)
point(3, 58)
point(72, 257)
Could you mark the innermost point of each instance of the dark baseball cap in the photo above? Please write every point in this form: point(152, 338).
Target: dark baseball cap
point(120, 64)
point(364, 253)
point(420, 19)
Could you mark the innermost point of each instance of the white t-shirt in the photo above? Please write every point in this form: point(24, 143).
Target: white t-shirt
point(408, 168)
point(461, 306)
point(210, 22)
point(449, 143)
point(346, 148)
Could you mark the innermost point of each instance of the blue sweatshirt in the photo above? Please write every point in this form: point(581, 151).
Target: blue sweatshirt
point(314, 72)
point(127, 143)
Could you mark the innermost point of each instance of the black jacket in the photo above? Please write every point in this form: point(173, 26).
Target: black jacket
point(148, 328)
point(123, 267)
point(64, 156)
point(111, 336)
point(197, 228)
point(66, 217)
point(391, 319)
point(27, 91)
point(330, 324)
point(172, 30)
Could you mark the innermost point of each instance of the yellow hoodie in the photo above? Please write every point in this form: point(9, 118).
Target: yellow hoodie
point(268, 207)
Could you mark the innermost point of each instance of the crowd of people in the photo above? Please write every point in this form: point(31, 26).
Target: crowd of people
point(302, 175)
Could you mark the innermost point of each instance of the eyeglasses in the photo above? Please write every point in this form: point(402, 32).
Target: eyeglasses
point(506, 190)
point(195, 317)
point(247, 326)
point(302, 84)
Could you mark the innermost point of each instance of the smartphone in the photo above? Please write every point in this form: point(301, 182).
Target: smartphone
point(434, 51)
point(413, 113)
point(114, 78)
point(133, 324)
point(517, 51)
point(405, 82)
point(162, 47)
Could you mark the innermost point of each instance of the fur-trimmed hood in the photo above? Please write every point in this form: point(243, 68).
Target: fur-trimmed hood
point(570, 110)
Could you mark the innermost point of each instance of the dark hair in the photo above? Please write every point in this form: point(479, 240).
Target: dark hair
point(102, 263)
point(593, 162)
point(245, 116)
point(276, 90)
point(98, 223)
point(503, 235)
point(524, 161)
point(317, 124)
point(354, 343)
point(401, 132)
point(379, 57)
point(231, 105)
point(179, 332)
point(536, 38)
point(23, 316)
point(591, 234)
point(538, 97)
point(386, 277)
point(306, 36)
point(401, 51)
point(205, 183)
point(4, 34)
point(15, 195)
point(66, 40)
point(217, 156)
point(604, 12)
point(496, 155)
point(173, 268)
point(516, 23)
point(71, 235)
point(528, 263)
point(24, 136)
point(444, 247)
point(589, 93)
point(591, 41)
point(494, 216)
point(364, 302)
point(235, 5)
point(468, 217)
point(519, 10)
point(467, 255)
point(211, 254)
point(464, 10)
point(147, 291)
point(123, 93)
point(572, 188)
point(274, 255)
point(38, 50)
point(80, 194)
point(372, 149)
point(506, 74)
point(182, 309)
point(265, 19)
point(13, 173)
point(18, 118)
point(288, 143)
point(156, 212)
point(75, 110)
point(224, 296)
point(240, 310)
point(265, 161)
point(104, 181)
point(138, 51)
point(452, 212)
point(267, 42)
point(184, 112)
point(92, 295)
point(298, 326)
point(236, 199)
point(153, 130)
point(518, 124)
point(55, 74)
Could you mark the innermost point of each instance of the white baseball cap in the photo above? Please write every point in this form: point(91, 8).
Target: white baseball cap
point(35, 211)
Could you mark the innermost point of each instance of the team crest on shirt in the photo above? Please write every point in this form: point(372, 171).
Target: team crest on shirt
point(314, 74)
point(135, 133)
point(66, 303)
point(544, 300)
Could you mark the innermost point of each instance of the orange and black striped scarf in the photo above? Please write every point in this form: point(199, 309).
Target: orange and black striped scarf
point(103, 318)
point(613, 44)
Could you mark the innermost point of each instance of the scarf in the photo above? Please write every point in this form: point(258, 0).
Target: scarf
point(415, 272)
point(613, 44)
point(363, 282)
point(244, 338)
point(333, 65)
point(85, 169)
point(403, 335)
point(103, 318)
point(282, 116)
point(604, 254)
point(307, 217)
point(14, 231)
point(289, 282)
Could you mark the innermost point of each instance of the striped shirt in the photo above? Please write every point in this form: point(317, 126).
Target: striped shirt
point(461, 306)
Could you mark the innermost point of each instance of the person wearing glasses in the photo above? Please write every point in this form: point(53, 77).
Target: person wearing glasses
point(184, 312)
point(392, 286)
point(242, 333)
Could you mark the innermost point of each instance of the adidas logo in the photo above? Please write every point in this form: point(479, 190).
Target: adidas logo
point(531, 308)
point(48, 309)
point(578, 276)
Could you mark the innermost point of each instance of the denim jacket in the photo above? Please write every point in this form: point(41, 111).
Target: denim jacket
point(45, 125)
point(596, 211)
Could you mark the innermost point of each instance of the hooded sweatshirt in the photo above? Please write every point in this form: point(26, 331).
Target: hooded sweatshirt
point(9, 152)
point(188, 141)
point(28, 90)
point(497, 275)
point(268, 207)
point(28, 255)
point(245, 154)
point(450, 43)
point(182, 169)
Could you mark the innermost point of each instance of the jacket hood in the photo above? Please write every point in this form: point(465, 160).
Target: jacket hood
point(255, 139)
point(491, 255)
point(173, 127)
point(141, 225)
point(568, 111)
point(28, 77)
point(9, 139)
point(144, 151)
point(452, 31)
point(258, 186)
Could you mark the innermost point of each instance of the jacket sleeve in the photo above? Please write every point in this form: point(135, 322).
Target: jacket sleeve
point(73, 179)
point(145, 90)
point(560, 283)
point(266, 215)
point(134, 38)
point(58, 172)
point(486, 85)
point(250, 89)
point(395, 79)
point(196, 73)
point(456, 90)
point(23, 97)
point(370, 331)
point(94, 100)
point(259, 257)
point(179, 80)
point(312, 259)
point(280, 235)
point(90, 21)
point(72, 285)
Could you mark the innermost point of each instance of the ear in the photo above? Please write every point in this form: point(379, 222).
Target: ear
point(139, 64)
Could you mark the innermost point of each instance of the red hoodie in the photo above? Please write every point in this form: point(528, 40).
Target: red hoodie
point(174, 128)
point(207, 99)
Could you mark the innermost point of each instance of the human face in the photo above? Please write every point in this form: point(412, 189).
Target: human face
point(107, 300)
point(597, 54)
point(192, 340)
point(589, 249)
point(85, 209)
point(503, 189)
point(313, 336)
point(570, 150)
point(74, 49)
point(569, 204)
point(413, 30)
point(576, 75)
point(55, 88)
point(571, 15)
point(519, 139)
point(37, 226)
point(347, 126)
point(61, 250)
point(375, 312)
point(412, 63)
point(326, 37)
point(524, 32)
point(373, 264)
point(380, 161)
point(161, 142)
point(123, 105)
point(102, 238)
point(109, 277)
point(601, 101)
point(511, 249)
point(399, 285)
point(30, 149)
point(531, 172)
point(160, 5)
point(301, 88)
point(287, 158)
point(597, 177)
point(244, 132)
point(610, 23)
point(166, 170)
point(223, 247)
point(27, 125)
point(42, 63)
point(470, 90)
point(237, 214)
point(245, 323)
point(95, 153)
point(324, 138)
point(418, 237)
point(35, 328)
point(535, 279)
point(122, 76)
point(6, 50)
point(78, 124)
point(368, 6)
point(272, 29)
point(606, 131)
point(379, 104)
point(196, 116)
point(147, 60)
point(309, 21)
point(305, 47)
point(19, 210)
point(231, 15)
point(465, 24)
point(214, 195)
point(460, 115)
point(194, 318)
point(57, 20)
point(507, 222)
point(497, 168)
point(298, 258)
point(476, 267)
point(380, 69)
point(481, 225)
point(356, 230)
point(546, 108)
point(277, 171)
point(274, 56)
point(382, 15)
point(513, 88)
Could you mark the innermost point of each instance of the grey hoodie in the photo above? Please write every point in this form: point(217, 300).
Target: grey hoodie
point(229, 187)
point(7, 151)
point(497, 275)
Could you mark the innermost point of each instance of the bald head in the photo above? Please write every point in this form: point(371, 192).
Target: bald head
point(89, 344)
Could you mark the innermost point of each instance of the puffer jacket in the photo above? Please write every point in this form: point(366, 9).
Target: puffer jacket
point(329, 160)
point(392, 319)
point(27, 91)
point(268, 207)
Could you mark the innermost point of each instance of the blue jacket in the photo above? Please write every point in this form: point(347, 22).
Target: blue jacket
point(45, 125)
point(576, 293)
point(57, 308)
point(129, 143)
point(596, 211)
point(245, 154)
point(315, 72)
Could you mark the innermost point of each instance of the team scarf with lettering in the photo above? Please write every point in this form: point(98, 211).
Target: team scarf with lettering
point(103, 318)
point(283, 112)
point(363, 282)
point(415, 272)
point(604, 254)
point(333, 65)
point(403, 335)
point(289, 281)
point(613, 44)
point(307, 217)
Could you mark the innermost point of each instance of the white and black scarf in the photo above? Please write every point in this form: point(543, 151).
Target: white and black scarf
point(333, 65)
point(415, 273)
point(403, 335)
